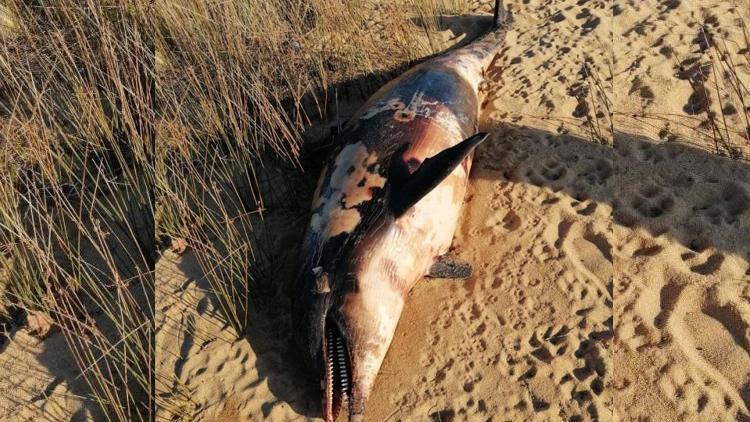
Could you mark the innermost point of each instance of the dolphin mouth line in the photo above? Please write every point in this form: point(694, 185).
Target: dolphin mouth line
point(338, 376)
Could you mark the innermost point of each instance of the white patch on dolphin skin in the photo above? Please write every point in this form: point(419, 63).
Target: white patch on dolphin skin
point(349, 185)
point(392, 104)
point(364, 193)
point(472, 60)
point(419, 107)
point(342, 221)
point(332, 220)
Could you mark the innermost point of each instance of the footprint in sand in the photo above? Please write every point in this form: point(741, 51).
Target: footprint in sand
point(551, 173)
point(713, 381)
point(645, 247)
point(724, 206)
point(570, 359)
point(652, 201)
point(588, 251)
point(649, 153)
point(596, 173)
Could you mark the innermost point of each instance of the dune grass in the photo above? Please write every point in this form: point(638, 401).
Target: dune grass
point(77, 203)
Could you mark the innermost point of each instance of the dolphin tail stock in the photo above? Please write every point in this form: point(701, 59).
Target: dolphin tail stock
point(489, 44)
point(473, 59)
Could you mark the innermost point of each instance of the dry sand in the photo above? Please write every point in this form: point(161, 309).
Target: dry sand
point(611, 282)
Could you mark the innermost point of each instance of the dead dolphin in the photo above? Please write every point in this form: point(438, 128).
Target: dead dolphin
point(384, 212)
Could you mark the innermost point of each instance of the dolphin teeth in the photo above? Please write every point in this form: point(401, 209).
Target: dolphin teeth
point(329, 382)
point(338, 371)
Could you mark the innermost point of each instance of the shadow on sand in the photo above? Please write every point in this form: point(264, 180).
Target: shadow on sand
point(96, 338)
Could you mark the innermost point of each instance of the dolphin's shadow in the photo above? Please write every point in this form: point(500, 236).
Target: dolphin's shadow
point(275, 238)
point(464, 28)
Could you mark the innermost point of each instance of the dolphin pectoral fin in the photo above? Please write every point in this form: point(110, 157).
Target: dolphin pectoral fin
point(450, 268)
point(407, 189)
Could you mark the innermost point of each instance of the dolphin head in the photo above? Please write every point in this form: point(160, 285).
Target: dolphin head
point(344, 322)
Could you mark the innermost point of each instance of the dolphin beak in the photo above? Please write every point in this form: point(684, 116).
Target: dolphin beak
point(337, 370)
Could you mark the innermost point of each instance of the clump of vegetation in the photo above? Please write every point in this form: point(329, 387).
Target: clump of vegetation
point(76, 213)
point(717, 112)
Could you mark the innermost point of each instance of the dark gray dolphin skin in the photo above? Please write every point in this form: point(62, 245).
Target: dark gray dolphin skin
point(385, 210)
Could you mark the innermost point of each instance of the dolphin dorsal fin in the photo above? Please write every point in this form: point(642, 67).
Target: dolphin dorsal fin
point(409, 188)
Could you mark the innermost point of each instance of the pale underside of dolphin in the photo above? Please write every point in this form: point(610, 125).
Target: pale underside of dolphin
point(385, 211)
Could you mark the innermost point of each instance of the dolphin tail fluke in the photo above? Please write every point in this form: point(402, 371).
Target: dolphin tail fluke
point(501, 15)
